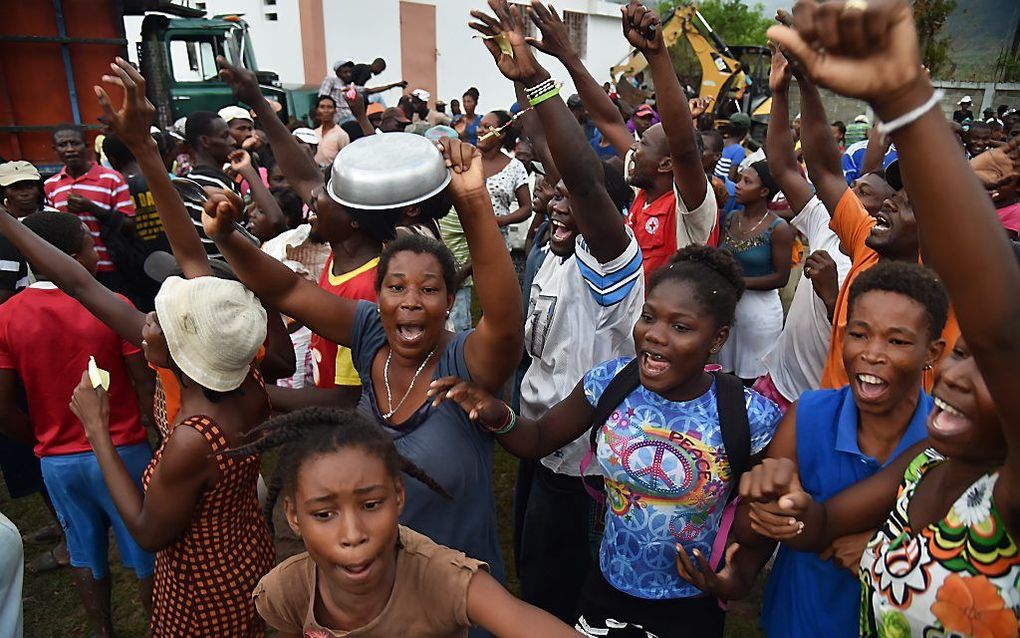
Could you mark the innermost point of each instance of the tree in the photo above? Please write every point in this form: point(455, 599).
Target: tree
point(931, 16)
point(734, 21)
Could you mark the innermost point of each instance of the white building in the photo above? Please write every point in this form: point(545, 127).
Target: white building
point(427, 43)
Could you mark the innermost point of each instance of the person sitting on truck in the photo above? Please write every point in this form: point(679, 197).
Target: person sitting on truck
point(97, 195)
point(211, 144)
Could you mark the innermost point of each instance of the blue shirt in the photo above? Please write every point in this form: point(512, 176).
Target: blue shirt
point(853, 160)
point(732, 155)
point(807, 596)
point(667, 481)
point(445, 444)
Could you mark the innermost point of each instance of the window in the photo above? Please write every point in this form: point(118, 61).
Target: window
point(200, 6)
point(270, 3)
point(271, 17)
point(193, 60)
point(576, 23)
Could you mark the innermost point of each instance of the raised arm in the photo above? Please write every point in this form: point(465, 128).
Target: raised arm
point(556, 42)
point(593, 210)
point(493, 350)
point(959, 229)
point(71, 277)
point(300, 170)
point(275, 284)
point(821, 154)
point(240, 161)
point(779, 139)
point(677, 123)
point(533, 131)
point(131, 124)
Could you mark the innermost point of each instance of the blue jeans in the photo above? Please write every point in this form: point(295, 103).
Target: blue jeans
point(86, 510)
point(460, 315)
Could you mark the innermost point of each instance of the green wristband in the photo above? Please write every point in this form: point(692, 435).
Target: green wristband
point(545, 96)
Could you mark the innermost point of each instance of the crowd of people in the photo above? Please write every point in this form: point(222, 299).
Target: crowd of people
point(719, 354)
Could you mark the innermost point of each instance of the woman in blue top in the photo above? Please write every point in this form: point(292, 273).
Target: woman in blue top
point(667, 471)
point(763, 244)
point(840, 437)
point(467, 124)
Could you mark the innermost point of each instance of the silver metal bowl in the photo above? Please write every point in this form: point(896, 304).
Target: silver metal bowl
point(387, 170)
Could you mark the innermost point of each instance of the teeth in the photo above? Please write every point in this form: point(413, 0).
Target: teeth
point(870, 379)
point(945, 407)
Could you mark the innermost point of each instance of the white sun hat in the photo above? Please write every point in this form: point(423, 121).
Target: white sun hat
point(213, 328)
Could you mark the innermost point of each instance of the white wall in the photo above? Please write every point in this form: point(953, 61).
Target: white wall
point(362, 30)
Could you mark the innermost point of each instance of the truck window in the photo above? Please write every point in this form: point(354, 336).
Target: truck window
point(193, 60)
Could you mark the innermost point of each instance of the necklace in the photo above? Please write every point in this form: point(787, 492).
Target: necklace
point(748, 233)
point(386, 381)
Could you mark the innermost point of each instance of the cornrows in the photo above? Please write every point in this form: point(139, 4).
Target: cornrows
point(314, 431)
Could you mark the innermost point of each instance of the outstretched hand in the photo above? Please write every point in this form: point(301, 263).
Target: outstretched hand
point(219, 212)
point(555, 39)
point(480, 406)
point(864, 50)
point(641, 28)
point(242, 81)
point(519, 64)
point(131, 123)
point(779, 73)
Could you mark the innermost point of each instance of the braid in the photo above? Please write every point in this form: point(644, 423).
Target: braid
point(408, 467)
point(314, 431)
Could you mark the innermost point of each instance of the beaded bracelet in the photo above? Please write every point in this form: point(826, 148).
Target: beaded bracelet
point(542, 87)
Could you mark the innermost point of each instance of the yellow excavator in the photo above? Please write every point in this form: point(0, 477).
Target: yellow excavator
point(737, 77)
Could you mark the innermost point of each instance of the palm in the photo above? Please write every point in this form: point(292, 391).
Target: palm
point(502, 33)
point(521, 65)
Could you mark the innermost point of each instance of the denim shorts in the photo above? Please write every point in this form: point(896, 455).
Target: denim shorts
point(86, 510)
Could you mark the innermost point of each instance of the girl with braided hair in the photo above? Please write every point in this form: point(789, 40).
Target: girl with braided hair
point(339, 473)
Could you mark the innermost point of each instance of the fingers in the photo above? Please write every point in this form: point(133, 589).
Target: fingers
point(826, 24)
point(794, 46)
point(104, 103)
point(686, 568)
point(851, 26)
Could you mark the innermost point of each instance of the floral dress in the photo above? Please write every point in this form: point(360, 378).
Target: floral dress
point(956, 578)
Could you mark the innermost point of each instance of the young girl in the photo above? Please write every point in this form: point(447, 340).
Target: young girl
point(944, 560)
point(762, 243)
point(667, 474)
point(364, 573)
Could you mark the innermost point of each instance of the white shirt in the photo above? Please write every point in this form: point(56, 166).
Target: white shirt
point(694, 227)
point(581, 313)
point(797, 361)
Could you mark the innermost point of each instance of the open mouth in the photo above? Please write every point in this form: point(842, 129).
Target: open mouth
point(882, 223)
point(947, 419)
point(410, 333)
point(653, 364)
point(357, 571)
point(870, 388)
point(560, 232)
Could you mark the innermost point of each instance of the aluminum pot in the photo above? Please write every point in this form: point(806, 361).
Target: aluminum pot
point(387, 170)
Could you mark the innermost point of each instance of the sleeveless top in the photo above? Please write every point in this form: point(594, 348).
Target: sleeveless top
point(956, 577)
point(204, 581)
point(753, 253)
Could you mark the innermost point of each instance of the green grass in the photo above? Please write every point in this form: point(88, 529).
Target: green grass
point(53, 610)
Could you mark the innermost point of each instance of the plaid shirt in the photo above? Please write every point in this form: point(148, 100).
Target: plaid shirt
point(102, 186)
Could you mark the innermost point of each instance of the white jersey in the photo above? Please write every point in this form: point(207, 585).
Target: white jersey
point(581, 313)
point(796, 362)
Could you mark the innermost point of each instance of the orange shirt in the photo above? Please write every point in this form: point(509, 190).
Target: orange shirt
point(852, 224)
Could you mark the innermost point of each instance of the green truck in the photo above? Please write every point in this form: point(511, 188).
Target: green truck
point(52, 52)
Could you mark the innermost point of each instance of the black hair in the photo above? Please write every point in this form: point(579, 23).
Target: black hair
point(437, 206)
point(199, 123)
point(312, 432)
point(840, 126)
point(765, 175)
point(324, 97)
point(291, 204)
point(420, 245)
point(978, 124)
point(62, 128)
point(616, 185)
point(717, 140)
point(117, 151)
point(64, 231)
point(509, 135)
point(473, 92)
point(714, 273)
point(380, 225)
point(910, 280)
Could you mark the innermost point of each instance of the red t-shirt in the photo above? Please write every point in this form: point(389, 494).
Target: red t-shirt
point(654, 227)
point(101, 185)
point(332, 364)
point(47, 337)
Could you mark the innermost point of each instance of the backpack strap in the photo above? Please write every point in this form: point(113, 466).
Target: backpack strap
point(626, 381)
point(736, 430)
